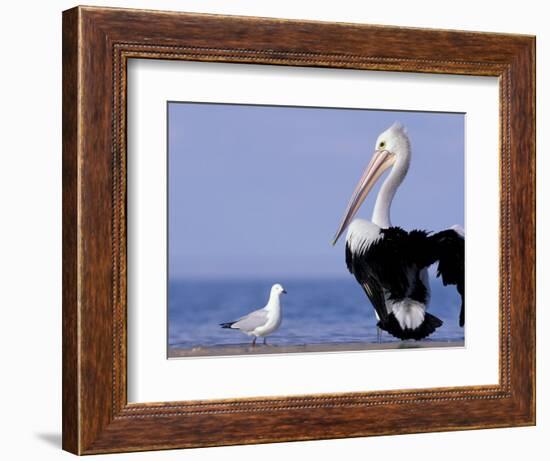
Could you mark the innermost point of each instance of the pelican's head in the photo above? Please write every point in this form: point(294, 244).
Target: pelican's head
point(277, 290)
point(392, 148)
point(395, 142)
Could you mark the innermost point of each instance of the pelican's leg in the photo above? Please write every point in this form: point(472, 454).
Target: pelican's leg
point(254, 341)
point(265, 339)
point(378, 334)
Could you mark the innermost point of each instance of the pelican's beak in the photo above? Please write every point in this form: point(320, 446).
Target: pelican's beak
point(380, 162)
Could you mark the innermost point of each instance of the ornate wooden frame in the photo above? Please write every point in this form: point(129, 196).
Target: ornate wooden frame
point(97, 43)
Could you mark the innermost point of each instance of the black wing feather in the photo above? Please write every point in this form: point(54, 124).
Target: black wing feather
point(370, 284)
point(447, 248)
point(383, 266)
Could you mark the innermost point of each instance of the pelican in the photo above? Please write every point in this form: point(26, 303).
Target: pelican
point(390, 263)
point(262, 322)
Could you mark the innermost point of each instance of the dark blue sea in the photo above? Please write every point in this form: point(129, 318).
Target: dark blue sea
point(314, 311)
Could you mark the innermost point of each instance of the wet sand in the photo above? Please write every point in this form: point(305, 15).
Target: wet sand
point(247, 349)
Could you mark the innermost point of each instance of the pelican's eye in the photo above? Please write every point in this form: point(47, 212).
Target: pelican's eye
point(382, 144)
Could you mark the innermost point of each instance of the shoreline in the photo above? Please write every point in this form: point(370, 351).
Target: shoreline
point(261, 349)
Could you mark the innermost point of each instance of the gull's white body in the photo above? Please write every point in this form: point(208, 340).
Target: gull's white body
point(273, 318)
point(262, 322)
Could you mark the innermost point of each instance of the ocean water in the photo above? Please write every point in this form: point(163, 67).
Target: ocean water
point(314, 311)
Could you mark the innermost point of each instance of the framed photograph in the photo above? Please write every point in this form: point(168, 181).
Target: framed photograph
point(282, 230)
point(265, 191)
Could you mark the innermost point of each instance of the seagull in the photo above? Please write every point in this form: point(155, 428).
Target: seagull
point(262, 322)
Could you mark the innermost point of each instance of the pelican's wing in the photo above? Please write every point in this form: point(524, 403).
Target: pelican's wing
point(371, 286)
point(382, 268)
point(251, 321)
point(447, 249)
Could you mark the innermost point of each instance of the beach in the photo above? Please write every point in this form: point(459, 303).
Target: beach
point(247, 349)
point(318, 316)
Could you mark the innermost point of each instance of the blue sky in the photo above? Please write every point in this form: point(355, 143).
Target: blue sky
point(259, 191)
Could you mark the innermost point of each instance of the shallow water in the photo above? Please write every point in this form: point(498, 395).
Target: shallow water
point(314, 311)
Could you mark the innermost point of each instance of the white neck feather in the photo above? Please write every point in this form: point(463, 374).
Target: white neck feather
point(381, 213)
point(274, 302)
